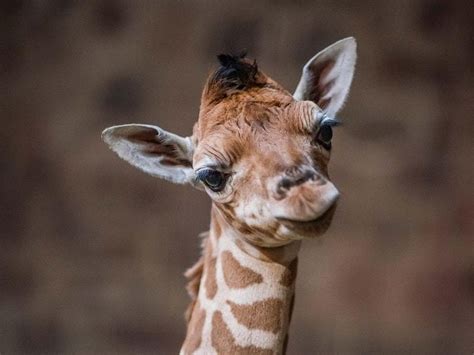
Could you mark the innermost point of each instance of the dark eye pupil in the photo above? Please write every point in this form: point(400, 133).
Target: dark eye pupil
point(213, 179)
point(325, 133)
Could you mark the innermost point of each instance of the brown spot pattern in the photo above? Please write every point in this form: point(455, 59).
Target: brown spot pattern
point(194, 333)
point(289, 275)
point(224, 342)
point(273, 254)
point(211, 284)
point(264, 315)
point(236, 275)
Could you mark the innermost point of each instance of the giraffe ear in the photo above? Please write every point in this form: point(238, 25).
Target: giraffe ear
point(153, 150)
point(327, 77)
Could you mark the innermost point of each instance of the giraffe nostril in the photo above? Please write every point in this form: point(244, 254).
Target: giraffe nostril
point(302, 177)
point(285, 184)
point(289, 181)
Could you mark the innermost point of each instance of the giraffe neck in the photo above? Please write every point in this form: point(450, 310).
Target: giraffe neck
point(245, 296)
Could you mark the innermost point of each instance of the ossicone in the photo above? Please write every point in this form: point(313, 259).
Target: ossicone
point(235, 73)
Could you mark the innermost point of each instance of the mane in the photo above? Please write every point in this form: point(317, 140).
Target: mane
point(235, 73)
point(194, 275)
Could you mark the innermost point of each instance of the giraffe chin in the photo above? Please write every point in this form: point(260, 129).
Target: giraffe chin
point(310, 228)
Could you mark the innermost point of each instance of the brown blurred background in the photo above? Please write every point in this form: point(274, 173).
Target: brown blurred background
point(92, 251)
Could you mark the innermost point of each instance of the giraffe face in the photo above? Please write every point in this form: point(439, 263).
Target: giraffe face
point(259, 152)
point(266, 166)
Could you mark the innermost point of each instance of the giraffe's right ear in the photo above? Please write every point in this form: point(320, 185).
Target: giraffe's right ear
point(327, 77)
point(153, 150)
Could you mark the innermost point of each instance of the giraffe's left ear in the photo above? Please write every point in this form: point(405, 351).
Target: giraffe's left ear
point(153, 150)
point(327, 77)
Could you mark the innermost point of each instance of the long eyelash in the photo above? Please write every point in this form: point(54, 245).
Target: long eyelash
point(329, 121)
point(332, 122)
point(203, 173)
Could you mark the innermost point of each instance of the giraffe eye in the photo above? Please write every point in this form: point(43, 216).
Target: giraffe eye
point(324, 136)
point(213, 179)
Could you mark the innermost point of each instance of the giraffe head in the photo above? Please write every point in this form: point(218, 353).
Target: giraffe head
point(259, 152)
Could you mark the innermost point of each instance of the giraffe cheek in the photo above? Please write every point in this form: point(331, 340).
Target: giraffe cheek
point(255, 214)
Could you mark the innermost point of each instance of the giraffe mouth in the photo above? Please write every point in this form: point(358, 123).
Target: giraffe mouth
point(317, 225)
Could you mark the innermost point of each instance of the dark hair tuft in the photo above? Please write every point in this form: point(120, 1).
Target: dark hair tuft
point(235, 72)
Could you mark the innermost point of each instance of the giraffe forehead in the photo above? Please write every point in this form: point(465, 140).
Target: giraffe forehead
point(243, 113)
point(257, 128)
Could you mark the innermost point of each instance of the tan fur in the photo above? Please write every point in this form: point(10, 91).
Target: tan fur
point(270, 314)
point(236, 275)
point(194, 275)
point(289, 276)
point(292, 306)
point(224, 343)
point(193, 337)
point(265, 315)
point(211, 284)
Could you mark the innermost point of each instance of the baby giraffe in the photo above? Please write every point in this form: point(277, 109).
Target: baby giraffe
point(262, 155)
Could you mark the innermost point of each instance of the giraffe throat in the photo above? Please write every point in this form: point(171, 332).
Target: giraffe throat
point(243, 298)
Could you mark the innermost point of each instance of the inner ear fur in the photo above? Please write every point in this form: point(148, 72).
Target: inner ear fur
point(327, 77)
point(153, 150)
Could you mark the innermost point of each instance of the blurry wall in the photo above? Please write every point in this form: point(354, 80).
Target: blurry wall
point(92, 251)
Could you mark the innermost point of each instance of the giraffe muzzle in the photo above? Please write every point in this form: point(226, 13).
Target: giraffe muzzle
point(305, 203)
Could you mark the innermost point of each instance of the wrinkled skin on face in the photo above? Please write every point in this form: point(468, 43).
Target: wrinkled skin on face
point(277, 186)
